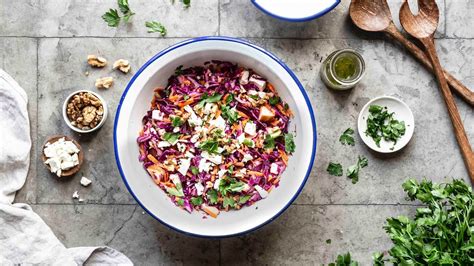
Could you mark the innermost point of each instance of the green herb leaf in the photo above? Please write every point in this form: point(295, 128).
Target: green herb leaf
point(335, 169)
point(244, 199)
point(175, 191)
point(381, 124)
point(228, 202)
point(289, 143)
point(269, 142)
point(347, 138)
point(209, 145)
point(353, 170)
point(196, 201)
point(212, 196)
point(176, 121)
point(111, 17)
point(231, 169)
point(194, 170)
point(171, 137)
point(249, 143)
point(377, 258)
point(328, 241)
point(180, 202)
point(205, 98)
point(274, 100)
point(125, 9)
point(179, 71)
point(236, 187)
point(229, 98)
point(344, 260)
point(229, 114)
point(187, 3)
point(155, 26)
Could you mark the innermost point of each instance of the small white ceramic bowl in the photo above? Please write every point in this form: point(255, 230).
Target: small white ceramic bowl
point(68, 122)
point(402, 113)
point(135, 102)
point(296, 10)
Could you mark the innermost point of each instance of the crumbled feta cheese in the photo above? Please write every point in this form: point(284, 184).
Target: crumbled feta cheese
point(184, 165)
point(220, 149)
point(199, 188)
point(221, 173)
point(61, 155)
point(85, 181)
point(189, 154)
point(204, 166)
point(252, 92)
point(274, 168)
point(163, 144)
point(217, 183)
point(244, 77)
point(210, 108)
point(262, 94)
point(193, 120)
point(194, 138)
point(214, 158)
point(157, 115)
point(247, 157)
point(218, 123)
point(176, 130)
point(258, 81)
point(263, 193)
point(75, 195)
point(243, 171)
point(250, 128)
point(81, 200)
point(161, 131)
point(241, 138)
point(181, 147)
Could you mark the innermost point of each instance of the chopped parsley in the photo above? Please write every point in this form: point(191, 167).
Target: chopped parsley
point(212, 196)
point(249, 143)
point(176, 121)
point(381, 124)
point(111, 17)
point(244, 199)
point(269, 142)
point(289, 143)
point(205, 98)
point(178, 71)
point(171, 137)
point(353, 170)
point(347, 138)
point(125, 9)
point(229, 114)
point(211, 146)
point(196, 201)
point(194, 170)
point(335, 169)
point(274, 100)
point(186, 3)
point(155, 26)
point(344, 260)
point(228, 202)
point(229, 98)
point(180, 202)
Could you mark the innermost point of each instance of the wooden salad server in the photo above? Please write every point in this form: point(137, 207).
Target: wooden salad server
point(423, 26)
point(374, 16)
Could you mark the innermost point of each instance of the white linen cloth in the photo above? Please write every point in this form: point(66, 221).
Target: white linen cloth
point(24, 236)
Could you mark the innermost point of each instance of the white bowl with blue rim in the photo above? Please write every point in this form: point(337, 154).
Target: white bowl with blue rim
point(296, 10)
point(136, 101)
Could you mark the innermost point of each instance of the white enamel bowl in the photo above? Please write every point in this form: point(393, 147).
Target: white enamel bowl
point(136, 100)
point(296, 10)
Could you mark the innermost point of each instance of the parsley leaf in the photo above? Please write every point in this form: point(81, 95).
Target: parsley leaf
point(269, 142)
point(212, 196)
point(229, 98)
point(171, 137)
point(347, 138)
point(228, 201)
point(274, 100)
point(230, 115)
point(111, 17)
point(125, 9)
point(344, 260)
point(175, 192)
point(381, 124)
point(244, 199)
point(194, 170)
point(180, 202)
point(178, 71)
point(289, 143)
point(231, 169)
point(353, 170)
point(236, 187)
point(187, 3)
point(205, 98)
point(210, 146)
point(196, 201)
point(249, 143)
point(176, 121)
point(335, 169)
point(155, 26)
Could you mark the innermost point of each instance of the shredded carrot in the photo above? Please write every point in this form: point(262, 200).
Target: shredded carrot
point(187, 102)
point(174, 98)
point(240, 164)
point(255, 173)
point(270, 87)
point(218, 113)
point(242, 114)
point(152, 159)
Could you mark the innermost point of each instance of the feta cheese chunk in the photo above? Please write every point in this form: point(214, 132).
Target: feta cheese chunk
point(157, 115)
point(85, 181)
point(204, 166)
point(199, 188)
point(263, 193)
point(164, 144)
point(241, 138)
point(210, 108)
point(218, 123)
point(274, 168)
point(61, 155)
point(75, 195)
point(181, 147)
point(184, 165)
point(250, 128)
point(217, 183)
point(193, 120)
point(247, 157)
point(214, 158)
point(221, 173)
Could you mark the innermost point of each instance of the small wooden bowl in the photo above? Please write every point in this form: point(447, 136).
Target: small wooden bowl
point(68, 172)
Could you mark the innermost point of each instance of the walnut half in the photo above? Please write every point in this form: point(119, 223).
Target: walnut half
point(96, 61)
point(104, 83)
point(122, 65)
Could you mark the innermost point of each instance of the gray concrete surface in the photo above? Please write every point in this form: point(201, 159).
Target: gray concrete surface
point(44, 45)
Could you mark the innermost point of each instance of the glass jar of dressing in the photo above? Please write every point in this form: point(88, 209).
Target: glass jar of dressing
point(342, 69)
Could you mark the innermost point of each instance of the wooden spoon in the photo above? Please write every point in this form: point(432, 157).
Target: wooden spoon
point(71, 171)
point(423, 26)
point(374, 16)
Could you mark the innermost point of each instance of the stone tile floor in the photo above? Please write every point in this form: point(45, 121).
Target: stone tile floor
point(44, 44)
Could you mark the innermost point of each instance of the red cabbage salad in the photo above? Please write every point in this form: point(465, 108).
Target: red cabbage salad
point(216, 138)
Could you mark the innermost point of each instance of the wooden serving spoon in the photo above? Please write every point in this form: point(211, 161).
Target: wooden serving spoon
point(80, 155)
point(423, 26)
point(374, 16)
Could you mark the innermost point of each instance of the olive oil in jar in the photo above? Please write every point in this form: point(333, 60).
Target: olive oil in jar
point(342, 69)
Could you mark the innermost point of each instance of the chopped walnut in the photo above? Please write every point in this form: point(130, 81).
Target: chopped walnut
point(104, 83)
point(85, 110)
point(122, 65)
point(96, 61)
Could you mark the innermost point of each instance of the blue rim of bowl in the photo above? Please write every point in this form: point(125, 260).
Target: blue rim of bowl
point(315, 16)
point(226, 39)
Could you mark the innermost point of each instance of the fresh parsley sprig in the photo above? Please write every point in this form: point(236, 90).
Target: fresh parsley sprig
point(347, 138)
point(113, 18)
point(382, 125)
point(155, 26)
point(353, 170)
point(335, 169)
